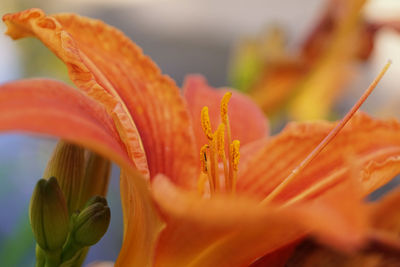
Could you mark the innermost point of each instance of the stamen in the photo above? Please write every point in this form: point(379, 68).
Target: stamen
point(214, 163)
point(221, 152)
point(225, 120)
point(224, 107)
point(216, 151)
point(205, 173)
point(205, 123)
point(235, 156)
point(295, 172)
point(203, 158)
point(213, 171)
point(221, 140)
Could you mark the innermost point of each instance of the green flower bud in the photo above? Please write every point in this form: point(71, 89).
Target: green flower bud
point(67, 164)
point(48, 215)
point(94, 200)
point(92, 222)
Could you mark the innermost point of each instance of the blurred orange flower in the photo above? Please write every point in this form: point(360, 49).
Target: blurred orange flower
point(304, 84)
point(127, 111)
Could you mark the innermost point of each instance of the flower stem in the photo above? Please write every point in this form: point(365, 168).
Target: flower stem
point(40, 258)
point(53, 258)
point(70, 249)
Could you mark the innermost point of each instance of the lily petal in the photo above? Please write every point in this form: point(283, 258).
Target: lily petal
point(112, 69)
point(234, 231)
point(374, 144)
point(53, 108)
point(142, 225)
point(243, 113)
point(385, 214)
point(277, 258)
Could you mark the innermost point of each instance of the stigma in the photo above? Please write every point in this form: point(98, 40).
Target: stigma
point(219, 158)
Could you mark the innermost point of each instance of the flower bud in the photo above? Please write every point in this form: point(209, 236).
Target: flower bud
point(48, 215)
point(92, 222)
point(67, 164)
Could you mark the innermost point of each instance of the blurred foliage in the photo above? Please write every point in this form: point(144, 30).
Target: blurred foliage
point(18, 247)
point(39, 61)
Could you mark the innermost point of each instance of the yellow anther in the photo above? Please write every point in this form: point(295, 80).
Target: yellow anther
point(205, 123)
point(235, 154)
point(224, 107)
point(203, 158)
point(220, 135)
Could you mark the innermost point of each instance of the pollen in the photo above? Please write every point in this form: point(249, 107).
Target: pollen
point(235, 154)
point(220, 135)
point(212, 155)
point(224, 107)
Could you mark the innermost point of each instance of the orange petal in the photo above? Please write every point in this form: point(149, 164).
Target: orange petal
point(277, 258)
point(232, 231)
point(109, 67)
point(374, 144)
point(53, 108)
point(385, 214)
point(243, 113)
point(141, 224)
point(248, 151)
point(49, 107)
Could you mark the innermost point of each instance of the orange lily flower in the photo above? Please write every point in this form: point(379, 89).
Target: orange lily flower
point(127, 111)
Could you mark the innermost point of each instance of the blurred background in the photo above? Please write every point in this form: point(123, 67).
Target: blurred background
point(213, 37)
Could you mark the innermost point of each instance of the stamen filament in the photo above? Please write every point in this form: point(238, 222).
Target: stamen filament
point(295, 172)
point(211, 180)
point(225, 121)
point(221, 153)
point(203, 158)
point(205, 168)
point(201, 183)
point(214, 164)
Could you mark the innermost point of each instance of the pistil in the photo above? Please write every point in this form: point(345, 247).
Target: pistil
point(296, 171)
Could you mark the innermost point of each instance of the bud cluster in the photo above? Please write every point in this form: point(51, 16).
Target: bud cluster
point(67, 216)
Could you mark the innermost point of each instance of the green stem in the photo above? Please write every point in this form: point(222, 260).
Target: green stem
point(40, 258)
point(79, 261)
point(53, 258)
point(70, 249)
